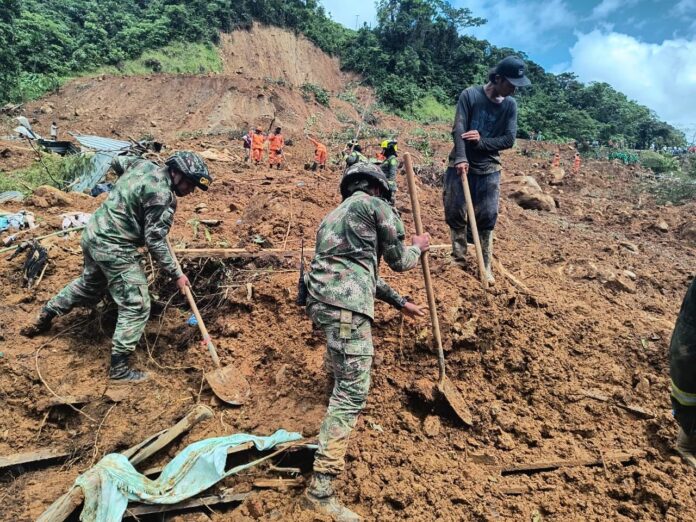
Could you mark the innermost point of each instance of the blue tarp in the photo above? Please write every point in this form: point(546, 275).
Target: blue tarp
point(105, 149)
point(113, 481)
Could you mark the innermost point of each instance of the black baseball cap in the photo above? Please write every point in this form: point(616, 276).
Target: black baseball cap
point(512, 69)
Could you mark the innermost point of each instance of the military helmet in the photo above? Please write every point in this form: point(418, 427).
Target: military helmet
point(192, 166)
point(364, 171)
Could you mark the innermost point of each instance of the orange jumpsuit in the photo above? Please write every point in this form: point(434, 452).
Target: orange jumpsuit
point(380, 156)
point(319, 152)
point(275, 148)
point(576, 164)
point(257, 142)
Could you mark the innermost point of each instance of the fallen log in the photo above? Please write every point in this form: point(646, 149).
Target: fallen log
point(67, 400)
point(32, 457)
point(242, 252)
point(619, 457)
point(225, 497)
point(62, 508)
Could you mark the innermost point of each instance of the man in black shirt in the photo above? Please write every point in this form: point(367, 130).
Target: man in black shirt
point(485, 123)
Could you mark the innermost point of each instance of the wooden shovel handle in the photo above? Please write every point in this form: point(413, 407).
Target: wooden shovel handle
point(474, 231)
point(425, 263)
point(197, 314)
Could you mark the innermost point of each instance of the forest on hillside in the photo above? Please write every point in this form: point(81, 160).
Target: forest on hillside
point(418, 50)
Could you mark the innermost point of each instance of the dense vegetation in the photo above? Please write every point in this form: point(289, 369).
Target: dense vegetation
point(417, 56)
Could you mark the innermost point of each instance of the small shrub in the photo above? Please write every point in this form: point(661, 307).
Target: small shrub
point(54, 170)
point(321, 96)
point(658, 163)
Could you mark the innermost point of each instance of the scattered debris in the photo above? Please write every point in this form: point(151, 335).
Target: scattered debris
point(32, 457)
point(75, 219)
point(620, 457)
point(227, 496)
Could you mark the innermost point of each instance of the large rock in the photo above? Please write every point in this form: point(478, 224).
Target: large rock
point(46, 196)
point(557, 175)
point(535, 201)
point(520, 182)
point(687, 231)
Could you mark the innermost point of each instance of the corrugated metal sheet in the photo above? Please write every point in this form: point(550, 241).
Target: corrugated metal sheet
point(100, 144)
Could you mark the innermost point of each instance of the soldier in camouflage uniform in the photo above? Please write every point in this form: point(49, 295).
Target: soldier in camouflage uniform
point(682, 369)
point(138, 212)
point(353, 154)
point(342, 285)
point(390, 165)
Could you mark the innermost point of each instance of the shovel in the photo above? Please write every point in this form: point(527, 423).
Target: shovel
point(226, 382)
point(474, 232)
point(444, 386)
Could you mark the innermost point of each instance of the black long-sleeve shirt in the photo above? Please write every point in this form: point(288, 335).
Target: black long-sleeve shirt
point(496, 123)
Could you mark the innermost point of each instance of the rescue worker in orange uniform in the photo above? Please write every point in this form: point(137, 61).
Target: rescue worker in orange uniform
point(320, 154)
point(276, 142)
point(257, 143)
point(576, 164)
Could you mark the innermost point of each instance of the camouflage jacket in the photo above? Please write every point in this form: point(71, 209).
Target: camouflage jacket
point(390, 166)
point(138, 212)
point(355, 157)
point(350, 242)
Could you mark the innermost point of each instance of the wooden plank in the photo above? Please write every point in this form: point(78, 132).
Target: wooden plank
point(226, 497)
point(641, 412)
point(31, 457)
point(277, 483)
point(555, 464)
point(73, 400)
point(242, 252)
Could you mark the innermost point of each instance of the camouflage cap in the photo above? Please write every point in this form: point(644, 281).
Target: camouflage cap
point(364, 171)
point(192, 166)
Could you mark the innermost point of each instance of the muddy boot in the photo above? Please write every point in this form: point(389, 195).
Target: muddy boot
point(686, 447)
point(459, 246)
point(321, 497)
point(40, 325)
point(486, 238)
point(120, 370)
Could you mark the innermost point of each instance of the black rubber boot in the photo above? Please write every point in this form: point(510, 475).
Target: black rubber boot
point(686, 447)
point(459, 246)
point(486, 238)
point(41, 325)
point(321, 497)
point(120, 370)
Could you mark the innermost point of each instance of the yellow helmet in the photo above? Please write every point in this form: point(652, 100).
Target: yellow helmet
point(387, 143)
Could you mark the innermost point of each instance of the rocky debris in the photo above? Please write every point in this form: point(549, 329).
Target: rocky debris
point(661, 226)
point(621, 284)
point(527, 193)
point(687, 231)
point(631, 247)
point(46, 196)
point(432, 426)
point(557, 175)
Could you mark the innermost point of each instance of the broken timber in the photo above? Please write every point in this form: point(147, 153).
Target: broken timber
point(242, 252)
point(619, 457)
point(62, 508)
point(32, 457)
point(225, 497)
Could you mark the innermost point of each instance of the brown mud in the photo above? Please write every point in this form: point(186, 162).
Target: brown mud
point(604, 284)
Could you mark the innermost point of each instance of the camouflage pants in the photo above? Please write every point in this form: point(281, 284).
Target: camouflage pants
point(349, 355)
point(124, 279)
point(682, 364)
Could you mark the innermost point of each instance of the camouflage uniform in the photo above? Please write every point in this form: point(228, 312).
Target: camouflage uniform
point(389, 167)
point(342, 286)
point(138, 212)
point(355, 157)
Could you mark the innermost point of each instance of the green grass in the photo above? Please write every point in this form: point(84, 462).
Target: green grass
point(429, 110)
point(56, 171)
point(176, 58)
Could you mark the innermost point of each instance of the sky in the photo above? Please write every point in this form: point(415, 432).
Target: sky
point(643, 48)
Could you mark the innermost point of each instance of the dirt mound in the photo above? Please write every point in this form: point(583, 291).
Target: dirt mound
point(601, 291)
point(278, 54)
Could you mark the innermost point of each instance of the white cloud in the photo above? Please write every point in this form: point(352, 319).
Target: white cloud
point(521, 24)
point(660, 76)
point(607, 7)
point(684, 7)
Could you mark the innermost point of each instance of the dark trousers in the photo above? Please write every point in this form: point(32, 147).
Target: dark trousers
point(682, 363)
point(485, 196)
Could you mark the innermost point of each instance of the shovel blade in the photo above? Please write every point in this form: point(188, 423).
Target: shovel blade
point(455, 400)
point(229, 385)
